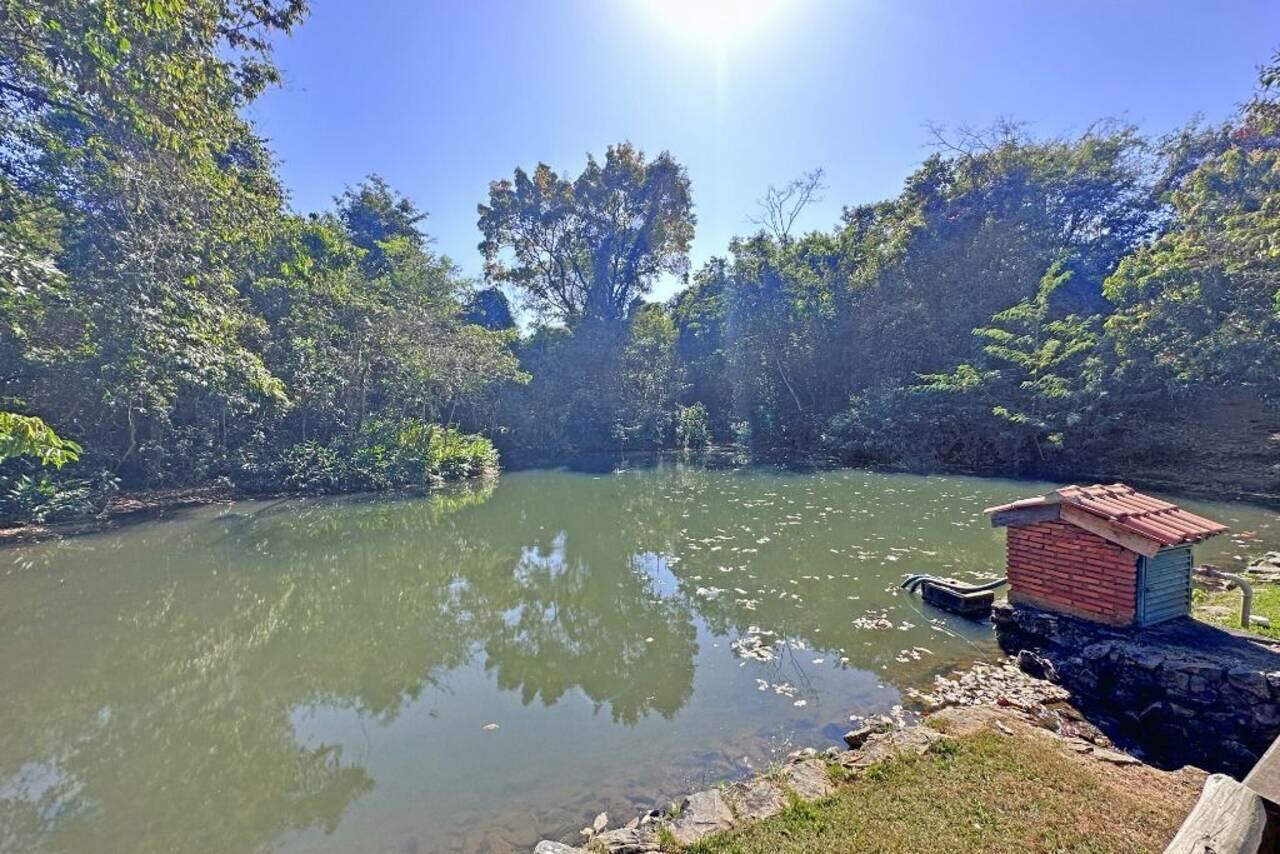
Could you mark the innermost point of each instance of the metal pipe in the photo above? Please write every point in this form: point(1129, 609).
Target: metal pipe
point(1246, 591)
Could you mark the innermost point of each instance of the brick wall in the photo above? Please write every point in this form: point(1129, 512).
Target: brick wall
point(1064, 568)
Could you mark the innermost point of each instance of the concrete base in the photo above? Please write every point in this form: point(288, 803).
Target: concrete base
point(974, 605)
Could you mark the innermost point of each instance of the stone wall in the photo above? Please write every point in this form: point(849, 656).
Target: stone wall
point(1181, 693)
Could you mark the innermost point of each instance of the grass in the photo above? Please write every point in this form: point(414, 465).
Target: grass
point(1222, 608)
point(983, 792)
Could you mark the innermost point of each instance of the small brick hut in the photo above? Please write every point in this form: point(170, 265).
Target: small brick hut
point(1104, 553)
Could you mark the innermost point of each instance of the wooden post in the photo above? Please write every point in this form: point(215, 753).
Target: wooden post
point(1229, 817)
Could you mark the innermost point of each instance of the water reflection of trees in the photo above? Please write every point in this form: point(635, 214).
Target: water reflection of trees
point(171, 674)
point(170, 664)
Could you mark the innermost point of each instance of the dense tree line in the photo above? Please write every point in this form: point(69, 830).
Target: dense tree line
point(1024, 305)
point(166, 320)
point(162, 310)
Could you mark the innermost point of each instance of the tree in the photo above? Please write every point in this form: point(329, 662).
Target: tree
point(1202, 303)
point(375, 215)
point(489, 307)
point(781, 207)
point(91, 91)
point(651, 380)
point(1042, 373)
point(589, 248)
point(136, 192)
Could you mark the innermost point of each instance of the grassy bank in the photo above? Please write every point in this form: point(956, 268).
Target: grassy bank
point(982, 792)
point(1222, 608)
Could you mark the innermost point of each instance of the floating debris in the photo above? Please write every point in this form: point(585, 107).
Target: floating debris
point(753, 645)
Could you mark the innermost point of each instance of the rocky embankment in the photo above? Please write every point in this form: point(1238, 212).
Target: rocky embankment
point(1000, 697)
point(1182, 693)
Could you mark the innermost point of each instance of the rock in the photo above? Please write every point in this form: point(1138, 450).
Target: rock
point(855, 738)
point(1115, 757)
point(1037, 666)
point(1183, 692)
point(968, 720)
point(1252, 682)
point(1267, 714)
point(498, 844)
point(1096, 651)
point(755, 799)
point(547, 846)
point(626, 841)
point(601, 822)
point(809, 779)
point(522, 835)
point(701, 813)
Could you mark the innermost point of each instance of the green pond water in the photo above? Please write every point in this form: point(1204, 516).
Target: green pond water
point(325, 675)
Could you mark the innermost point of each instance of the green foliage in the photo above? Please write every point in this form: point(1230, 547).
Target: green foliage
point(41, 497)
point(24, 435)
point(650, 379)
point(693, 432)
point(1202, 303)
point(385, 455)
point(1019, 305)
point(589, 248)
point(1040, 372)
point(157, 302)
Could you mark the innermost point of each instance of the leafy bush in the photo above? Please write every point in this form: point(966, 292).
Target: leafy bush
point(44, 497)
point(384, 455)
point(313, 467)
point(693, 428)
point(923, 428)
point(25, 435)
point(445, 453)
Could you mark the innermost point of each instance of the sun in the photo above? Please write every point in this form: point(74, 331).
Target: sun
point(713, 23)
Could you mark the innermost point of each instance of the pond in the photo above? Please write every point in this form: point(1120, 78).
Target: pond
point(475, 669)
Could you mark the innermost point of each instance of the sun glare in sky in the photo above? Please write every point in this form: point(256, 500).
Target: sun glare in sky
point(714, 23)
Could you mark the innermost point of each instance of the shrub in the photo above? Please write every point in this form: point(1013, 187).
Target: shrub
point(693, 427)
point(312, 467)
point(44, 497)
point(384, 455)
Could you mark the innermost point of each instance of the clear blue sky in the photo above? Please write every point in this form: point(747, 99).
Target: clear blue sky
point(439, 98)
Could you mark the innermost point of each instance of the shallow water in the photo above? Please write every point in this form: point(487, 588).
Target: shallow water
point(323, 675)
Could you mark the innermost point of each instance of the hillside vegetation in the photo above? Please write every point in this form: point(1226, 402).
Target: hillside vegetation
point(1049, 305)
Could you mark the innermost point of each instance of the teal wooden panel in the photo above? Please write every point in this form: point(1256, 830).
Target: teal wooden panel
point(1164, 586)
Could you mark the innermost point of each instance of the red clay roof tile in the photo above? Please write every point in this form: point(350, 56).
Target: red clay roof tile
point(1126, 508)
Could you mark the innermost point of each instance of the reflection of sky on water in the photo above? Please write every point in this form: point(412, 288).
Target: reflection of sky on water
point(319, 675)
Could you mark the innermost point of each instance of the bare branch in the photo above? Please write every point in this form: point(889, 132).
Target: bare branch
point(781, 207)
